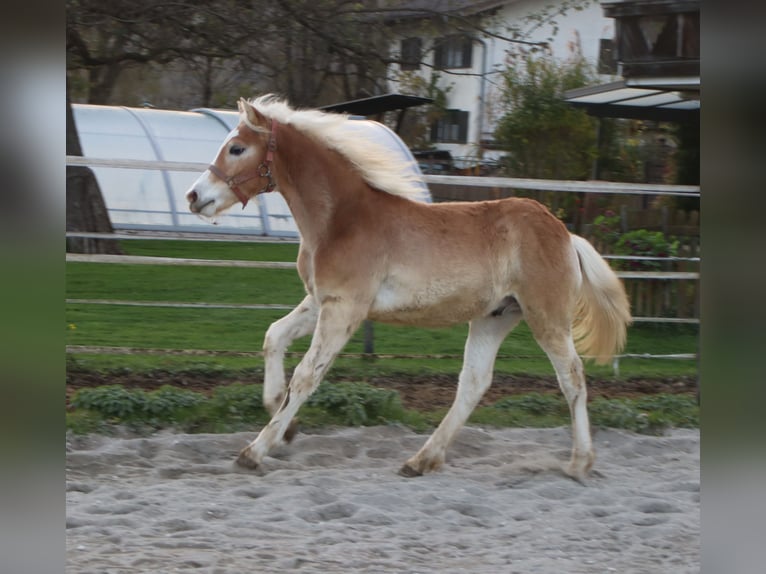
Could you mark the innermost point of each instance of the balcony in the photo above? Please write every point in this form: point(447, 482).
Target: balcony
point(657, 50)
point(656, 38)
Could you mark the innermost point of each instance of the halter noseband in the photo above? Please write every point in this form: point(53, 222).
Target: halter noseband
point(263, 170)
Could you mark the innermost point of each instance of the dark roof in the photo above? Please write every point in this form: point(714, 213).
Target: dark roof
point(618, 8)
point(427, 8)
point(377, 104)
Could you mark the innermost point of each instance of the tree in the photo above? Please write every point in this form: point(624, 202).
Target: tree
point(545, 136)
point(299, 48)
point(415, 131)
point(85, 207)
point(310, 51)
point(201, 53)
point(107, 39)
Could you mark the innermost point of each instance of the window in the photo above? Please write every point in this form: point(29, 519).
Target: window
point(411, 54)
point(453, 52)
point(607, 64)
point(451, 128)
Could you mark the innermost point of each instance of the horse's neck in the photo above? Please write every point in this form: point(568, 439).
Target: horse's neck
point(313, 182)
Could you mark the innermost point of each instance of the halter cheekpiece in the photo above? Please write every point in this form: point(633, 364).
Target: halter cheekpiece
point(263, 170)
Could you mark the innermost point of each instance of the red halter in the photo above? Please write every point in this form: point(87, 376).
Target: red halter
point(263, 170)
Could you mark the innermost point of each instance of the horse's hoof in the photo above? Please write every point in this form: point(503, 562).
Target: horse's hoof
point(245, 461)
point(579, 468)
point(408, 472)
point(291, 431)
point(576, 473)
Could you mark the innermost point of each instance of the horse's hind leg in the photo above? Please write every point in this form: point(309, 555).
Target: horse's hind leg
point(559, 346)
point(298, 323)
point(484, 338)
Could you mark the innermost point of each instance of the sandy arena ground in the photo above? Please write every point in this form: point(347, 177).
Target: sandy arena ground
point(332, 502)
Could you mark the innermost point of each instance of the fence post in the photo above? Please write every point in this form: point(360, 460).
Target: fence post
point(369, 337)
point(624, 218)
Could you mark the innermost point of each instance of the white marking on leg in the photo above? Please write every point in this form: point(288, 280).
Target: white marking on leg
point(335, 325)
point(300, 322)
point(571, 378)
point(484, 338)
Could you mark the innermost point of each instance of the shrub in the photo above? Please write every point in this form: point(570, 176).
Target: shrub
point(546, 137)
point(357, 404)
point(671, 410)
point(606, 229)
point(239, 400)
point(642, 242)
point(534, 404)
point(618, 413)
point(170, 403)
point(648, 415)
point(166, 404)
point(111, 401)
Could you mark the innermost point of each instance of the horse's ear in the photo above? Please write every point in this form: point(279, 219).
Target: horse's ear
point(252, 115)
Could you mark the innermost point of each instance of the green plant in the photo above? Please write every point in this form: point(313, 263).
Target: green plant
point(642, 242)
point(670, 410)
point(111, 401)
point(649, 415)
point(618, 413)
point(114, 402)
point(356, 404)
point(239, 400)
point(606, 229)
point(545, 137)
point(535, 404)
point(170, 403)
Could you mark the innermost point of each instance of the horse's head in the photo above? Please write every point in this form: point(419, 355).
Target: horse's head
point(242, 167)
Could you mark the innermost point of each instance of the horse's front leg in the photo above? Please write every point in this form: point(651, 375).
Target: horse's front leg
point(336, 323)
point(300, 322)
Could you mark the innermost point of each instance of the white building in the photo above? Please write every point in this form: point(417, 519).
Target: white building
point(471, 64)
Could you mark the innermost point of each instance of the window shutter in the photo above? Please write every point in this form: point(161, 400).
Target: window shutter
point(467, 52)
point(462, 120)
point(439, 55)
point(607, 63)
point(410, 53)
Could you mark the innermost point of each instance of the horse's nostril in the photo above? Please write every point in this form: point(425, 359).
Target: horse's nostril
point(192, 196)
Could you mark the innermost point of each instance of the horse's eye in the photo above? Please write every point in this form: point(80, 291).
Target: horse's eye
point(236, 150)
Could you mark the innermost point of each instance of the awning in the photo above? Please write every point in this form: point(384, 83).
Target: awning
point(666, 100)
point(377, 104)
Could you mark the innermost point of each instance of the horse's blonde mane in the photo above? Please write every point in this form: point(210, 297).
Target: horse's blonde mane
point(379, 166)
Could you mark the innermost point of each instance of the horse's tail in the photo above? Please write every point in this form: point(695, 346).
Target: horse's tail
point(603, 310)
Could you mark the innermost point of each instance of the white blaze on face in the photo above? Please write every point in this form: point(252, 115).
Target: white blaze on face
point(232, 134)
point(213, 195)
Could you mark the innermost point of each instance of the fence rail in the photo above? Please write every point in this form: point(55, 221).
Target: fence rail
point(644, 297)
point(154, 260)
point(591, 186)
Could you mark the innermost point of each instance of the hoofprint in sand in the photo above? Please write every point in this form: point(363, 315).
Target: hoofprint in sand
point(332, 501)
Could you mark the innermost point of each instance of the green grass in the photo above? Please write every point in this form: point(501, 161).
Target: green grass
point(243, 330)
point(183, 284)
point(270, 251)
point(648, 415)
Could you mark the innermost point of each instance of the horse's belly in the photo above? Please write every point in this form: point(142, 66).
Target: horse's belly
point(435, 305)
